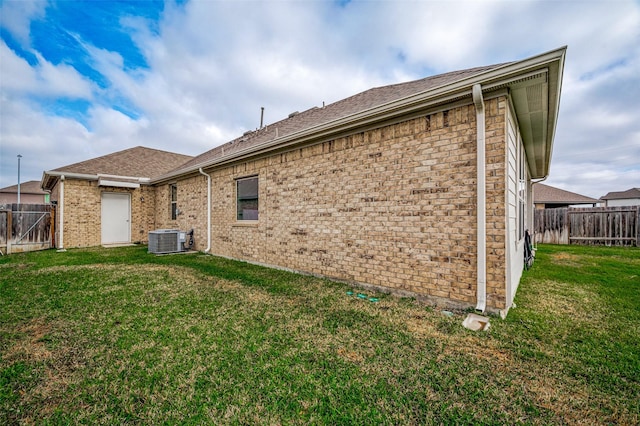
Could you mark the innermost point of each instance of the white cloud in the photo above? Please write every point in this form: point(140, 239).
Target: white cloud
point(44, 141)
point(212, 65)
point(43, 79)
point(16, 17)
point(593, 179)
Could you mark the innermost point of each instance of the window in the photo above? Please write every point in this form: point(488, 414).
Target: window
point(173, 197)
point(522, 193)
point(247, 198)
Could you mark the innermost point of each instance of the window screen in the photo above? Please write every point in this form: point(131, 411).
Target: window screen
point(247, 198)
point(173, 196)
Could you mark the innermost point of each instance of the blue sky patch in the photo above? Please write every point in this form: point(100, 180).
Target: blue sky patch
point(76, 109)
point(95, 22)
point(14, 45)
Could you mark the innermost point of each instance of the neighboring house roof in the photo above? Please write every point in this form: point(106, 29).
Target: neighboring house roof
point(529, 81)
point(545, 194)
point(623, 195)
point(30, 187)
point(139, 163)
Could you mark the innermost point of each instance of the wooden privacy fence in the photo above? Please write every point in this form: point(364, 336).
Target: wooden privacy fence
point(26, 227)
point(619, 226)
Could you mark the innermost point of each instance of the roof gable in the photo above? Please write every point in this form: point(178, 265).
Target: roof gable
point(29, 187)
point(138, 162)
point(545, 194)
point(623, 195)
point(317, 116)
point(534, 85)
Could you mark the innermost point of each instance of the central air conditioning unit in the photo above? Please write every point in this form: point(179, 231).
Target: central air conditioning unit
point(166, 241)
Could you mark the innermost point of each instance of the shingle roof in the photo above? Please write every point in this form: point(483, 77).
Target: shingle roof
point(30, 187)
point(136, 162)
point(317, 116)
point(622, 195)
point(545, 194)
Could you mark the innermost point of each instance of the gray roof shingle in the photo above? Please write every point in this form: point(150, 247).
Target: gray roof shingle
point(317, 116)
point(545, 194)
point(623, 195)
point(135, 162)
point(29, 187)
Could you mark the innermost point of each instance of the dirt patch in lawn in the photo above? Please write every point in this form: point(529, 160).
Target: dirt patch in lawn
point(30, 346)
point(566, 259)
point(53, 364)
point(569, 300)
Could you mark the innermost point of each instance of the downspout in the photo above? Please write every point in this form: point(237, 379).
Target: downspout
point(481, 214)
point(208, 209)
point(533, 234)
point(61, 204)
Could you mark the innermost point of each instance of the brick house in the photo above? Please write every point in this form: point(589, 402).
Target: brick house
point(30, 193)
point(108, 199)
point(549, 197)
point(420, 188)
point(630, 197)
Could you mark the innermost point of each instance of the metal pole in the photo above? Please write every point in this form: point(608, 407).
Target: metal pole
point(19, 157)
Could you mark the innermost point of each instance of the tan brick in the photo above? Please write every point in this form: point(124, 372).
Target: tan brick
point(393, 206)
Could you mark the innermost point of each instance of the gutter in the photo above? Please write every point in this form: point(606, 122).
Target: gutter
point(481, 214)
point(99, 177)
point(134, 178)
point(61, 205)
point(62, 175)
point(208, 210)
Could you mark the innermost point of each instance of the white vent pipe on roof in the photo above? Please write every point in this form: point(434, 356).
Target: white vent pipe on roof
point(482, 201)
point(208, 210)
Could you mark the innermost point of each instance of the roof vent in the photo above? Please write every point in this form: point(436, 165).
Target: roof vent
point(293, 114)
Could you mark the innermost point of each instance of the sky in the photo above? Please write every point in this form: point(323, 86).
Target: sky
point(81, 79)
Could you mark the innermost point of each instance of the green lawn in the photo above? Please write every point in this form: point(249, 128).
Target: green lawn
point(112, 336)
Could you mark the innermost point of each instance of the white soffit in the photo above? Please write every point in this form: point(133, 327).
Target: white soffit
point(536, 101)
point(118, 184)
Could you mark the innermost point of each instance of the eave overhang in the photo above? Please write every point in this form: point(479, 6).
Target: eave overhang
point(51, 177)
point(534, 85)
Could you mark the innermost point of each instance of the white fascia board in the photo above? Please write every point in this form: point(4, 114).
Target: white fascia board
point(128, 178)
point(52, 174)
point(71, 175)
point(122, 181)
point(118, 184)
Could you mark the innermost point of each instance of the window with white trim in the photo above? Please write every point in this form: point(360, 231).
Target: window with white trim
point(522, 192)
point(173, 200)
point(247, 198)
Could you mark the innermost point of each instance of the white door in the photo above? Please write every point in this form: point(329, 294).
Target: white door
point(116, 217)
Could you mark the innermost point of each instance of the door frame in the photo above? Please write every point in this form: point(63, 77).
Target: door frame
point(102, 205)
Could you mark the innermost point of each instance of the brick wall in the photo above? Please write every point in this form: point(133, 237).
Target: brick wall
point(192, 203)
point(496, 169)
point(82, 212)
point(393, 207)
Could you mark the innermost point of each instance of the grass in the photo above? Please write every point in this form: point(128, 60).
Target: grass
point(112, 336)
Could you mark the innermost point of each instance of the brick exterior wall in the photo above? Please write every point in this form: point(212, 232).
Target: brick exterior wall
point(393, 207)
point(82, 212)
point(496, 181)
point(192, 203)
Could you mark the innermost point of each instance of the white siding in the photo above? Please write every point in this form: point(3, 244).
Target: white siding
point(515, 246)
point(623, 203)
